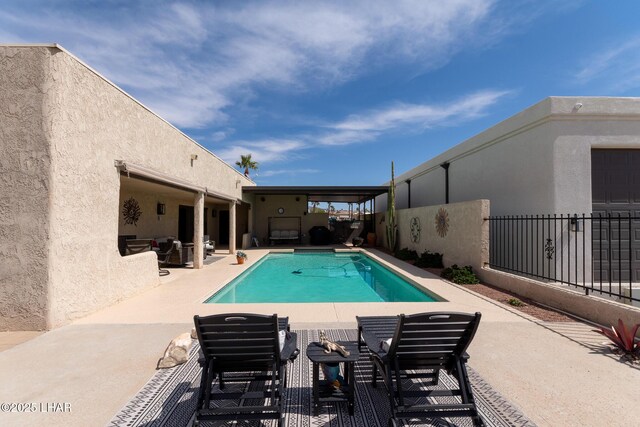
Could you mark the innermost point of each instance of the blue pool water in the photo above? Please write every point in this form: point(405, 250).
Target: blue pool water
point(324, 277)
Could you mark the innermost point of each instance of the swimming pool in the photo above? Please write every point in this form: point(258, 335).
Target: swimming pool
point(319, 277)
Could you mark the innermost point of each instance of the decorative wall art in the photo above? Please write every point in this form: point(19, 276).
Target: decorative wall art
point(442, 222)
point(131, 211)
point(415, 229)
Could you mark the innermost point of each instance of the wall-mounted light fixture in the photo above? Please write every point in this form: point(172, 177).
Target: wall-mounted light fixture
point(262, 199)
point(161, 208)
point(213, 213)
point(194, 157)
point(297, 199)
point(574, 223)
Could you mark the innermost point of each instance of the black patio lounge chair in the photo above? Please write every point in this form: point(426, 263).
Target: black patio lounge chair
point(243, 348)
point(420, 346)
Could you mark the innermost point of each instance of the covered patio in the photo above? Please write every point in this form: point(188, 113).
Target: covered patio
point(290, 209)
point(172, 208)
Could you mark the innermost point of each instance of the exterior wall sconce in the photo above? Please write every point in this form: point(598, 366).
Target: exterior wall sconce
point(194, 157)
point(161, 209)
point(213, 213)
point(262, 199)
point(574, 223)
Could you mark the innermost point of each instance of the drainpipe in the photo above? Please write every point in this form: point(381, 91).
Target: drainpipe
point(445, 166)
point(408, 193)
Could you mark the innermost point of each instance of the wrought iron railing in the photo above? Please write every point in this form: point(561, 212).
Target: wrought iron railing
point(597, 253)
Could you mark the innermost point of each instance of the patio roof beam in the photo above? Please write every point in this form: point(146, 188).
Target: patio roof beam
point(341, 194)
point(141, 172)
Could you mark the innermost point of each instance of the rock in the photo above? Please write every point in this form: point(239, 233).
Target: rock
point(177, 352)
point(194, 334)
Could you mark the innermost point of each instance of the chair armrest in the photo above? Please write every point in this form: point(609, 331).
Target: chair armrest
point(201, 360)
point(290, 350)
point(373, 343)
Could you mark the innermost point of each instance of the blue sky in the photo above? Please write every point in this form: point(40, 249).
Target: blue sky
point(328, 93)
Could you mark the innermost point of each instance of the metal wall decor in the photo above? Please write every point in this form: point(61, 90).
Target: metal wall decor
point(131, 211)
point(415, 229)
point(442, 222)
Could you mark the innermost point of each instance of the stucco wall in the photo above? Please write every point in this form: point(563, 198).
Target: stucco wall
point(150, 224)
point(466, 241)
point(262, 210)
point(595, 309)
point(25, 184)
point(538, 161)
point(90, 123)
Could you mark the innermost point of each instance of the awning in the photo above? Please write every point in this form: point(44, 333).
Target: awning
point(141, 172)
point(341, 194)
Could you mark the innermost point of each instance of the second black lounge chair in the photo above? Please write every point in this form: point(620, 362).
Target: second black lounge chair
point(419, 346)
point(243, 348)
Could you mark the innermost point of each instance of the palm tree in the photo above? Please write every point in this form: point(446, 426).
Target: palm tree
point(246, 163)
point(315, 207)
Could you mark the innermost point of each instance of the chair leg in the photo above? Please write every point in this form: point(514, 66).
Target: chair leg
point(207, 393)
point(466, 392)
point(220, 380)
point(374, 375)
point(391, 391)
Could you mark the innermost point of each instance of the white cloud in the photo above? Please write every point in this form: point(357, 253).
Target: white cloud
point(618, 66)
point(222, 135)
point(407, 117)
point(190, 62)
point(368, 126)
point(272, 172)
point(270, 150)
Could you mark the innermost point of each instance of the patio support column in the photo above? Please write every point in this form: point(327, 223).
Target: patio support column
point(232, 227)
point(198, 229)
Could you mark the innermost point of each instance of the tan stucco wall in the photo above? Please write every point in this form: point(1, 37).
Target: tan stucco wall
point(89, 123)
point(467, 238)
point(262, 210)
point(152, 225)
point(25, 185)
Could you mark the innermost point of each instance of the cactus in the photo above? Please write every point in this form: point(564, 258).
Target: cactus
point(392, 227)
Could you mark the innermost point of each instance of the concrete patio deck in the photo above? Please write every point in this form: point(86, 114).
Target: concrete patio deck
point(555, 373)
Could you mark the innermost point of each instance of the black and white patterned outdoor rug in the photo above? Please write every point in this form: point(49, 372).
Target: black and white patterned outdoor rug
point(169, 398)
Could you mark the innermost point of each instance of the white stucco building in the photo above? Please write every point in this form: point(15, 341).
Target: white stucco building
point(73, 149)
point(563, 155)
point(546, 159)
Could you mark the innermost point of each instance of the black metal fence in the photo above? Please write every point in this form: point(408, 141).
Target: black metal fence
point(597, 253)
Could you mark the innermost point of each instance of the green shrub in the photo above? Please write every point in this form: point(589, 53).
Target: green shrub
point(460, 275)
point(406, 254)
point(430, 260)
point(515, 302)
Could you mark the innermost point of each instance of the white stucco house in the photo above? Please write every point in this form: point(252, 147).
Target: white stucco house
point(74, 148)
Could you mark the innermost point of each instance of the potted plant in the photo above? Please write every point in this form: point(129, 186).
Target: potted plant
point(240, 257)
